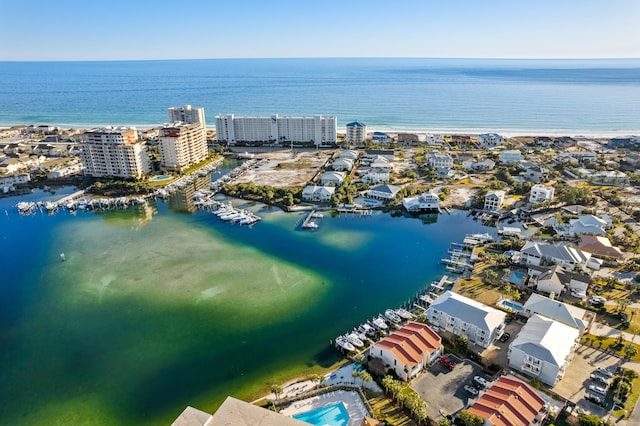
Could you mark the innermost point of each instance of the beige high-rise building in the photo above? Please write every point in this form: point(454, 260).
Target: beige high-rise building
point(114, 152)
point(182, 145)
point(187, 114)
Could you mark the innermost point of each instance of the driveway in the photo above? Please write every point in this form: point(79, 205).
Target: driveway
point(443, 388)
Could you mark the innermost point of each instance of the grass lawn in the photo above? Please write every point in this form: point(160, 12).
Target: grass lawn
point(606, 342)
point(475, 288)
point(388, 411)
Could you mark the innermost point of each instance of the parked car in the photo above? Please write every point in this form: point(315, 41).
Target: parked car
point(480, 381)
point(597, 300)
point(505, 337)
point(447, 362)
point(599, 379)
point(595, 399)
point(473, 391)
point(598, 390)
point(604, 372)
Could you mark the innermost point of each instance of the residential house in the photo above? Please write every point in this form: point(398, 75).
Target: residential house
point(408, 139)
point(372, 155)
point(555, 310)
point(432, 139)
point(349, 154)
point(540, 254)
point(427, 201)
point(599, 246)
point(533, 172)
point(556, 280)
point(587, 224)
point(541, 193)
point(381, 138)
point(375, 175)
point(627, 143)
point(493, 200)
point(510, 402)
point(342, 164)
point(320, 194)
point(490, 140)
point(383, 192)
point(610, 177)
point(511, 156)
point(543, 349)
point(332, 178)
point(479, 165)
point(462, 316)
point(632, 160)
point(70, 170)
point(542, 141)
point(581, 156)
point(380, 162)
point(408, 350)
point(439, 160)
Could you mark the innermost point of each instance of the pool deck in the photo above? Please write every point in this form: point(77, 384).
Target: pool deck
point(350, 399)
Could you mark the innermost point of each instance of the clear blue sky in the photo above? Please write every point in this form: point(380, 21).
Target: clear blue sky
point(160, 29)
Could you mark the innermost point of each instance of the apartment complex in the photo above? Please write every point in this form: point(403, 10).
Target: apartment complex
point(114, 152)
point(182, 145)
point(187, 114)
point(356, 133)
point(314, 130)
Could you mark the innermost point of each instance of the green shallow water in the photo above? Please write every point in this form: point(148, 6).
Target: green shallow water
point(155, 310)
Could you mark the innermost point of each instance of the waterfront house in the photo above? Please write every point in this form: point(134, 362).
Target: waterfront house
point(599, 246)
point(490, 140)
point(427, 201)
point(384, 192)
point(408, 139)
point(381, 138)
point(511, 156)
point(493, 200)
point(564, 313)
point(540, 254)
point(408, 350)
point(510, 402)
point(320, 194)
point(462, 316)
point(555, 280)
point(356, 133)
point(434, 139)
point(540, 193)
point(375, 175)
point(543, 349)
point(342, 164)
point(332, 178)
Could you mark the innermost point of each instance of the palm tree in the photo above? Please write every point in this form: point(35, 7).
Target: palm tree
point(277, 391)
point(365, 376)
point(315, 379)
point(355, 374)
point(321, 380)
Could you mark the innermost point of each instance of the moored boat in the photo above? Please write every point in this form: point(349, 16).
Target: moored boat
point(403, 313)
point(379, 323)
point(391, 315)
point(354, 340)
point(344, 344)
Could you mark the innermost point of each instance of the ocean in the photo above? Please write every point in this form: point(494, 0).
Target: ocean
point(512, 96)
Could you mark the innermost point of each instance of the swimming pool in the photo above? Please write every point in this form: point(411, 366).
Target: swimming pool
point(331, 415)
point(512, 305)
point(517, 277)
point(159, 178)
point(372, 202)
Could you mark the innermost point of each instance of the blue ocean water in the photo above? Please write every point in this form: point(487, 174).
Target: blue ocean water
point(573, 96)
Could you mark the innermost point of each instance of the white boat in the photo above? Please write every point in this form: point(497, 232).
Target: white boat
point(403, 313)
point(354, 340)
point(49, 206)
point(361, 336)
point(426, 299)
point(391, 315)
point(367, 329)
point(317, 215)
point(379, 323)
point(481, 237)
point(311, 225)
point(344, 344)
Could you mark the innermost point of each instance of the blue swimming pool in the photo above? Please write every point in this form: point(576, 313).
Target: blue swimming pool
point(372, 202)
point(159, 178)
point(513, 305)
point(517, 277)
point(332, 415)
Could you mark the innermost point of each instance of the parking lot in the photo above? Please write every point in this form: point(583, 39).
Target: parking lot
point(444, 388)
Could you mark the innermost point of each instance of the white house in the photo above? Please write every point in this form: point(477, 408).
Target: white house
point(564, 313)
point(381, 138)
point(408, 350)
point(612, 177)
point(556, 280)
point(332, 178)
point(426, 201)
point(541, 193)
point(70, 170)
point(490, 140)
point(541, 254)
point(543, 349)
point(383, 192)
point(510, 156)
point(493, 200)
point(439, 160)
point(349, 154)
point(342, 164)
point(321, 194)
point(375, 175)
point(381, 163)
point(433, 139)
point(462, 316)
point(587, 224)
point(479, 165)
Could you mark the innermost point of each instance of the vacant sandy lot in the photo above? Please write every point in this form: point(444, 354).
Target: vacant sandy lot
point(285, 168)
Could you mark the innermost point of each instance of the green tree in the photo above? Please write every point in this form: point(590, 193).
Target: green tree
point(277, 391)
point(444, 421)
point(630, 351)
point(589, 420)
point(466, 418)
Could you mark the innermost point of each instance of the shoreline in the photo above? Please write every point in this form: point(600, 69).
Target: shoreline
point(506, 132)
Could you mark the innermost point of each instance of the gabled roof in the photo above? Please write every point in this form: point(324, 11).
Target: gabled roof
point(559, 252)
point(555, 310)
point(410, 343)
point(239, 413)
point(546, 340)
point(557, 274)
point(386, 188)
point(599, 245)
point(468, 310)
point(509, 402)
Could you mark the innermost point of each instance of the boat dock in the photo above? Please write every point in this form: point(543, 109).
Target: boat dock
point(309, 222)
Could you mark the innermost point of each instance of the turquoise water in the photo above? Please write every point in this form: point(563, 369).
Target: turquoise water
point(517, 277)
point(528, 95)
point(331, 415)
point(513, 305)
point(159, 178)
point(155, 309)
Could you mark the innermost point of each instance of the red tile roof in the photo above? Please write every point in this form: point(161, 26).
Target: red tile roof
point(509, 402)
point(410, 343)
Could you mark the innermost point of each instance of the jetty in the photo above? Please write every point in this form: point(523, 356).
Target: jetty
point(309, 222)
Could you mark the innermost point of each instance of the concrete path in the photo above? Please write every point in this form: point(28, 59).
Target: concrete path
point(598, 329)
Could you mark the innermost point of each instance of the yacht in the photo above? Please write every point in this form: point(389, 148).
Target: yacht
point(367, 330)
point(379, 323)
point(344, 344)
point(362, 336)
point(354, 340)
point(391, 315)
point(403, 313)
